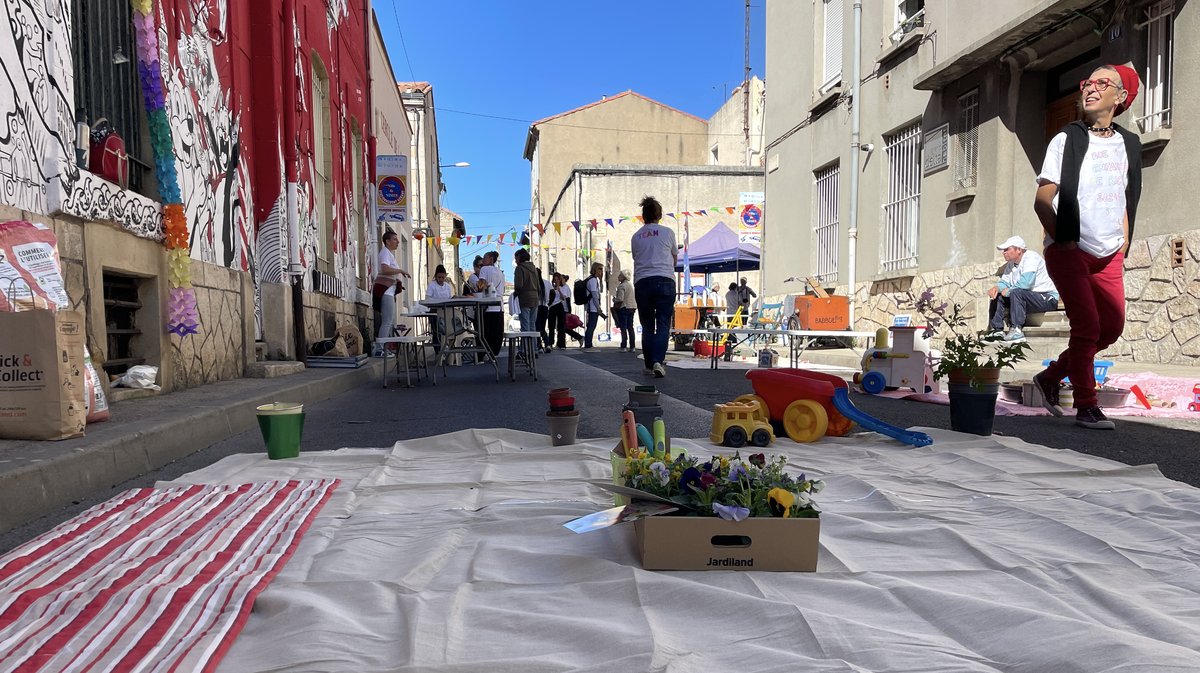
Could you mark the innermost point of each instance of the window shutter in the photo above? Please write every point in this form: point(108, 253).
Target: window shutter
point(833, 44)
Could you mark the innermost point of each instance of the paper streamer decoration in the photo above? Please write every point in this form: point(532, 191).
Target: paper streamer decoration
point(183, 318)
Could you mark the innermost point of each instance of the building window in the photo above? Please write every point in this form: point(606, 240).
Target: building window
point(910, 14)
point(1156, 78)
point(831, 72)
point(714, 156)
point(106, 77)
point(322, 167)
point(825, 229)
point(358, 220)
point(966, 142)
point(902, 209)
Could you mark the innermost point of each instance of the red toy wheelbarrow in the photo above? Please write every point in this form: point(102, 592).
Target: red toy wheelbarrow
point(811, 405)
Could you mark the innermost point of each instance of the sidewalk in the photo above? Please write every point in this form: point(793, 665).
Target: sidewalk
point(145, 434)
point(844, 357)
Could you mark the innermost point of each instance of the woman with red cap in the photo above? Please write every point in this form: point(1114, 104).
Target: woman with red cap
point(1087, 198)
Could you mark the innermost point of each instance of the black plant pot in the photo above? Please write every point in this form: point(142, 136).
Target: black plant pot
point(972, 409)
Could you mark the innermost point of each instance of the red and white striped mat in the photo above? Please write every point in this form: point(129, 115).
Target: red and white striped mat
point(152, 580)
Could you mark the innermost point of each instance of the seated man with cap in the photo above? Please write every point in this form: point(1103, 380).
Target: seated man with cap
point(1024, 287)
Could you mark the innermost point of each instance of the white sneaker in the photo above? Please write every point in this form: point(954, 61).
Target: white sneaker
point(659, 370)
point(1015, 336)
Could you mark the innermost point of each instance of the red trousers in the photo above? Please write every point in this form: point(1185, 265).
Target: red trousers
point(1093, 291)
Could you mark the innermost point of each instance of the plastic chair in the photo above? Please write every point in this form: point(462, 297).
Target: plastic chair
point(736, 321)
point(770, 316)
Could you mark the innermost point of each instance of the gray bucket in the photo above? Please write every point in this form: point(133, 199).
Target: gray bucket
point(643, 398)
point(644, 415)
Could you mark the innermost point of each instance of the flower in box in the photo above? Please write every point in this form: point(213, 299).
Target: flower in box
point(727, 487)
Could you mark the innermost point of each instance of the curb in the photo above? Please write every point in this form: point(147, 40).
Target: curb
point(38, 477)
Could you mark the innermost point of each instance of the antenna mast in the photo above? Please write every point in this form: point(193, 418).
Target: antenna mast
point(746, 88)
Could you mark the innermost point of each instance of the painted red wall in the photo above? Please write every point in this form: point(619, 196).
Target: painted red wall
point(248, 42)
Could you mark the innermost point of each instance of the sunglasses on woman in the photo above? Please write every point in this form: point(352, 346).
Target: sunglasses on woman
point(1101, 84)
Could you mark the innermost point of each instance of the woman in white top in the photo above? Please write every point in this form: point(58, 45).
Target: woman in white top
point(472, 285)
point(560, 301)
point(1087, 199)
point(439, 289)
point(383, 294)
point(624, 308)
point(595, 296)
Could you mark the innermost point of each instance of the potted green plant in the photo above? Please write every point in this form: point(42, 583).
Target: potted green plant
point(970, 361)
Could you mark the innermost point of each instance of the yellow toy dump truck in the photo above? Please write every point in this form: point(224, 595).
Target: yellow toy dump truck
point(735, 423)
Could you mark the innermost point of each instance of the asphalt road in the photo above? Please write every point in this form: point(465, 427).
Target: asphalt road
point(371, 416)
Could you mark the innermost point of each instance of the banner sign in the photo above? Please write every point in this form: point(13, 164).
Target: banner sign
point(391, 193)
point(750, 217)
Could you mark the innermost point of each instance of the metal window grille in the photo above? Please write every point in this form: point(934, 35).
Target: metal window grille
point(902, 209)
point(825, 230)
point(1160, 38)
point(832, 62)
point(106, 86)
point(910, 14)
point(966, 142)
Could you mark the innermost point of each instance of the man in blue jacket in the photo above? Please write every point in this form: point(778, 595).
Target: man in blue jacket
point(1024, 287)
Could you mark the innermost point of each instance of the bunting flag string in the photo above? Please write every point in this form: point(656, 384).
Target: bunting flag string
point(593, 224)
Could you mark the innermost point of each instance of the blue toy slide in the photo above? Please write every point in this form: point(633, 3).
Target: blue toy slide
point(841, 401)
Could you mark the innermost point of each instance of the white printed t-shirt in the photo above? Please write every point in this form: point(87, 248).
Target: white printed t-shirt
point(1102, 181)
point(654, 252)
point(386, 257)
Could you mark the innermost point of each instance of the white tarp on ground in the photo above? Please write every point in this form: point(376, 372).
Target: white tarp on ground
point(973, 554)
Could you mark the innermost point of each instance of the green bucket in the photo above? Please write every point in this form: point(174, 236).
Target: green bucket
point(282, 424)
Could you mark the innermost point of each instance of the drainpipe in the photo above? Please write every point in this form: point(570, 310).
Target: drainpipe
point(369, 141)
point(855, 150)
point(291, 164)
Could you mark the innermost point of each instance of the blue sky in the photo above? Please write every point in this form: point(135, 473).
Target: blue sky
point(529, 59)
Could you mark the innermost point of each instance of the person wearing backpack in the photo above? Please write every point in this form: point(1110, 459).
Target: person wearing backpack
point(1087, 199)
point(579, 292)
point(654, 258)
point(594, 298)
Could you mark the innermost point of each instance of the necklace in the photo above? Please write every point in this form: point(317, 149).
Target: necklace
point(1101, 129)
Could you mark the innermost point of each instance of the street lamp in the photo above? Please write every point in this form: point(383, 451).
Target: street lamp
point(461, 164)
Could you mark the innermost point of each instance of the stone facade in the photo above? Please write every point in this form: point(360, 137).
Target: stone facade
point(223, 349)
point(1162, 315)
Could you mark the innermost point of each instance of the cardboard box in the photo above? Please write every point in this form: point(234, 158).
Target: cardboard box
point(823, 313)
point(711, 543)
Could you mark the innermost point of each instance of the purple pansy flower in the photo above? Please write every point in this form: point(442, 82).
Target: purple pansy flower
point(736, 472)
point(661, 473)
point(690, 478)
point(730, 512)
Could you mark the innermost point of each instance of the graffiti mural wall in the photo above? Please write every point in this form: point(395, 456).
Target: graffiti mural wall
point(207, 131)
point(37, 120)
